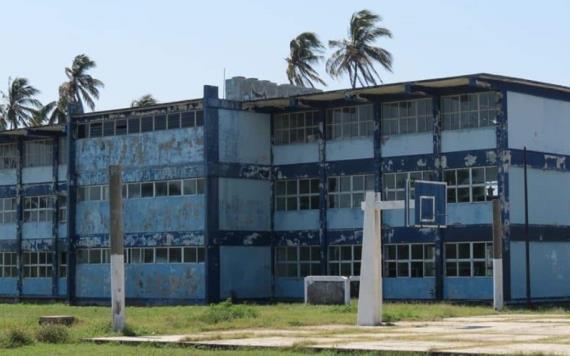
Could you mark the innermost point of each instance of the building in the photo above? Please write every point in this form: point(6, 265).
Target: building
point(244, 198)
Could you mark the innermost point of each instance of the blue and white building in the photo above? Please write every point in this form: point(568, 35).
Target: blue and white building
point(244, 198)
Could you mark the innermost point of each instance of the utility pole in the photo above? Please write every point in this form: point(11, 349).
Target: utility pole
point(117, 255)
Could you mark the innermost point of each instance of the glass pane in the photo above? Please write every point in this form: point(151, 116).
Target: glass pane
point(148, 255)
point(174, 187)
point(346, 253)
point(390, 251)
point(451, 251)
point(358, 183)
point(147, 189)
point(403, 252)
point(189, 186)
point(463, 195)
point(478, 175)
point(161, 255)
point(174, 255)
point(173, 120)
point(463, 251)
point(304, 187)
point(147, 123)
point(134, 190)
point(429, 269)
point(345, 184)
point(160, 122)
point(479, 268)
point(120, 127)
point(305, 253)
point(134, 125)
point(391, 270)
point(161, 189)
point(479, 193)
point(403, 269)
point(291, 187)
point(464, 269)
point(463, 176)
point(417, 270)
point(451, 269)
point(479, 250)
point(187, 119)
point(417, 252)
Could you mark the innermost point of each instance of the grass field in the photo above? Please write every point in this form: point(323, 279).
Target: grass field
point(20, 321)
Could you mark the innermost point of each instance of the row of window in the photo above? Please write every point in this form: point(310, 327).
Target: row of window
point(37, 264)
point(399, 117)
point(36, 209)
point(463, 185)
point(192, 186)
point(417, 260)
point(136, 255)
point(37, 153)
point(138, 124)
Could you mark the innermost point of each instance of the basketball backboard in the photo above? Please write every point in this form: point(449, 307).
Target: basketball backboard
point(430, 203)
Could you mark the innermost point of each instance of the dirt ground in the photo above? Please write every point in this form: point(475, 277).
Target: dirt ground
point(496, 334)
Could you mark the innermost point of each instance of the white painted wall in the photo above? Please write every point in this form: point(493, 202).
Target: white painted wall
point(538, 123)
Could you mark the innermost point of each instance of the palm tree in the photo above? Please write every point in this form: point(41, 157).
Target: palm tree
point(19, 104)
point(43, 115)
point(356, 54)
point(81, 87)
point(304, 53)
point(143, 101)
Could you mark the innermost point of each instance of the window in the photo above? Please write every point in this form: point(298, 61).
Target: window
point(409, 260)
point(468, 110)
point(8, 264)
point(297, 194)
point(469, 259)
point(93, 256)
point(402, 117)
point(37, 264)
point(38, 209)
point(62, 213)
point(350, 121)
point(176, 187)
point(137, 124)
point(38, 153)
point(140, 255)
point(296, 127)
point(8, 156)
point(394, 184)
point(471, 184)
point(297, 261)
point(63, 265)
point(8, 210)
point(345, 260)
point(348, 191)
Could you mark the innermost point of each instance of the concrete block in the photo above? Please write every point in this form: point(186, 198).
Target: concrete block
point(327, 290)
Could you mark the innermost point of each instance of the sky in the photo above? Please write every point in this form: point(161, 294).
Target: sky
point(170, 49)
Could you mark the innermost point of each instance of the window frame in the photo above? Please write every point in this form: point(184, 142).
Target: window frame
point(296, 262)
point(287, 129)
point(297, 196)
point(458, 112)
point(340, 124)
point(335, 194)
point(394, 114)
point(472, 260)
point(336, 260)
point(394, 261)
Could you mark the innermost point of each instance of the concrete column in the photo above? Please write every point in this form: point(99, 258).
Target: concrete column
point(498, 300)
point(117, 254)
point(370, 293)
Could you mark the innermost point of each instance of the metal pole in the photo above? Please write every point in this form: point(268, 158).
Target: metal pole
point(498, 299)
point(526, 237)
point(117, 256)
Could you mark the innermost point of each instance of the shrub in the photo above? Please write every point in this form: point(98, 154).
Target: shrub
point(52, 334)
point(226, 311)
point(16, 337)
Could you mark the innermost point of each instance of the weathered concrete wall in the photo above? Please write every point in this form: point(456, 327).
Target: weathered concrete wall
point(409, 144)
point(244, 137)
point(8, 286)
point(8, 231)
point(245, 204)
point(540, 124)
point(41, 174)
point(345, 218)
point(168, 147)
point(289, 288)
point(469, 139)
point(181, 213)
point(549, 270)
point(245, 280)
point(7, 176)
point(145, 281)
point(548, 196)
point(356, 148)
point(36, 286)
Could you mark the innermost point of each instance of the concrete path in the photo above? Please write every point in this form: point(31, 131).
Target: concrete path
point(494, 334)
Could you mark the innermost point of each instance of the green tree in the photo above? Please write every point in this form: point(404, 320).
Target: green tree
point(357, 55)
point(305, 52)
point(81, 87)
point(144, 101)
point(43, 114)
point(18, 104)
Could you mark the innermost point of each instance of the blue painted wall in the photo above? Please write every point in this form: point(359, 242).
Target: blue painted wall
point(145, 281)
point(469, 139)
point(345, 218)
point(240, 279)
point(408, 144)
point(343, 149)
point(289, 288)
point(8, 286)
point(408, 288)
point(295, 153)
point(296, 220)
point(36, 286)
point(465, 288)
point(244, 137)
point(7, 176)
point(550, 270)
point(245, 205)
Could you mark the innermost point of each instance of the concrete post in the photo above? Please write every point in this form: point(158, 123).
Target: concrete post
point(498, 300)
point(117, 255)
point(370, 293)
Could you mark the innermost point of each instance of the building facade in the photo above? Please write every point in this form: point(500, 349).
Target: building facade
point(244, 198)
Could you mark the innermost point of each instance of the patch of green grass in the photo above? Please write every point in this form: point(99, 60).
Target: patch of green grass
point(52, 334)
point(95, 321)
point(16, 337)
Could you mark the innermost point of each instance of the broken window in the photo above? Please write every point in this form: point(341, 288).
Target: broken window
point(350, 121)
point(473, 184)
point(469, 110)
point(296, 127)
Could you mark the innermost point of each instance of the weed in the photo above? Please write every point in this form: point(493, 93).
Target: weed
point(52, 334)
point(226, 312)
point(16, 337)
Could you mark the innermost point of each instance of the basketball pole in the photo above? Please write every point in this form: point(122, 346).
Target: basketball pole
point(498, 299)
point(117, 255)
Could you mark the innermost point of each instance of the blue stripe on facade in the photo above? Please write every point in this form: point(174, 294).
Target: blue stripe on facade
point(146, 239)
point(240, 170)
point(143, 174)
point(243, 238)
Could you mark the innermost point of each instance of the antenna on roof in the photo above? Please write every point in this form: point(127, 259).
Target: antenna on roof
point(224, 85)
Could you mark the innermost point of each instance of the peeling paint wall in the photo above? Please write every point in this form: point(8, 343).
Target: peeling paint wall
point(296, 220)
point(538, 123)
point(296, 153)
